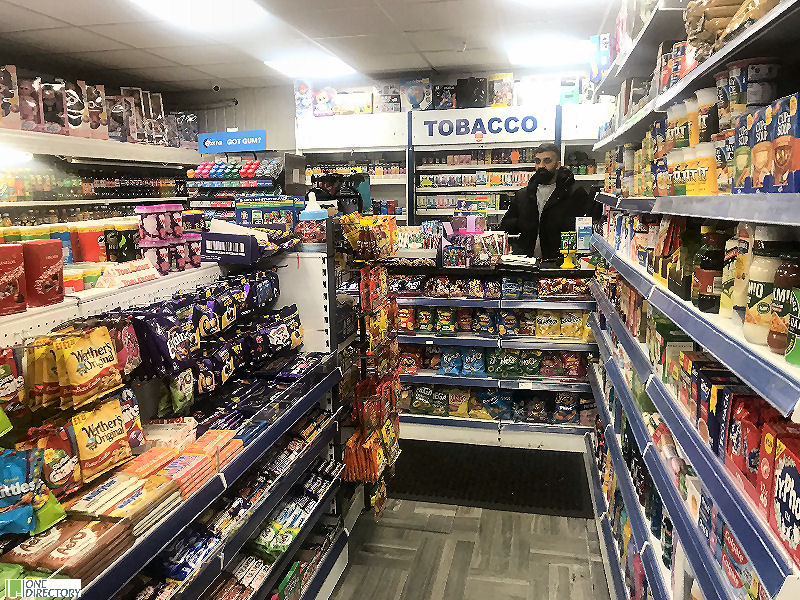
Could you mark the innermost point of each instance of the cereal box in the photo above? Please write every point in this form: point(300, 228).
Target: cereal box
point(766, 460)
point(784, 515)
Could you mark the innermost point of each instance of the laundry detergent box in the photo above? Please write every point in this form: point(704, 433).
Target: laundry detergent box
point(786, 144)
point(784, 513)
point(770, 433)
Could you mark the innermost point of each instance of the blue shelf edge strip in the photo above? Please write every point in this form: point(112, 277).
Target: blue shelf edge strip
point(778, 387)
point(325, 567)
point(498, 426)
point(623, 394)
point(599, 398)
point(489, 382)
point(134, 560)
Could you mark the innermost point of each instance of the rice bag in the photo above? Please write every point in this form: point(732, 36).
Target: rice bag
point(474, 288)
point(483, 322)
point(464, 319)
point(574, 364)
point(491, 290)
point(552, 365)
point(440, 403)
point(548, 323)
point(573, 323)
point(529, 362)
point(445, 319)
point(451, 361)
point(527, 322)
point(511, 288)
point(458, 399)
point(421, 401)
point(473, 363)
point(425, 320)
point(405, 318)
point(507, 324)
point(21, 472)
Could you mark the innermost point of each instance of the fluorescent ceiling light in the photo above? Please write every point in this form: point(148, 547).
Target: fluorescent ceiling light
point(10, 157)
point(311, 66)
point(206, 15)
point(547, 51)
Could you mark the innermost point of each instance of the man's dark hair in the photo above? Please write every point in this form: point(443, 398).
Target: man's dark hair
point(548, 147)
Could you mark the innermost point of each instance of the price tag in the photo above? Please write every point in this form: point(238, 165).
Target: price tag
point(525, 385)
point(429, 342)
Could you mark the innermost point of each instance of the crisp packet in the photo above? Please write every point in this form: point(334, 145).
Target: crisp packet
point(451, 361)
point(473, 364)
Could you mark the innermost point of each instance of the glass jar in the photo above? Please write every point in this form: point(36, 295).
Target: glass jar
point(760, 286)
point(787, 276)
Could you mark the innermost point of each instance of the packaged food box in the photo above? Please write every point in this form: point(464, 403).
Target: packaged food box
point(784, 514)
point(761, 157)
point(12, 279)
point(785, 152)
point(770, 434)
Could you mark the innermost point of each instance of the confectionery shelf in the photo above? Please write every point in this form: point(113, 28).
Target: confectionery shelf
point(330, 568)
point(768, 374)
point(774, 567)
point(63, 145)
point(481, 303)
point(134, 560)
point(756, 208)
point(40, 320)
point(449, 211)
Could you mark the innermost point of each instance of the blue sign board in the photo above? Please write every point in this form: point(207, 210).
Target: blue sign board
point(232, 141)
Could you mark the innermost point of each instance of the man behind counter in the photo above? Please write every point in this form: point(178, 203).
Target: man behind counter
point(546, 207)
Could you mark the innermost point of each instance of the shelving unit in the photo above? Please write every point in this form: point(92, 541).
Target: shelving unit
point(767, 373)
point(457, 190)
point(524, 383)
point(526, 166)
point(774, 567)
point(146, 547)
point(62, 145)
point(83, 202)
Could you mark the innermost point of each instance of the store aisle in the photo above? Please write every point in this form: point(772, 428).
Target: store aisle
point(426, 551)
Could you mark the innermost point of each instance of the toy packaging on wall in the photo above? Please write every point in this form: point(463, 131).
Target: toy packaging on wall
point(77, 108)
point(138, 116)
point(95, 97)
point(30, 103)
point(54, 114)
point(501, 89)
point(9, 99)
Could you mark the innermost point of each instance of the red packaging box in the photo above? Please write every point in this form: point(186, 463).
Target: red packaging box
point(744, 441)
point(784, 514)
point(44, 271)
point(709, 382)
point(770, 433)
point(700, 372)
point(12, 279)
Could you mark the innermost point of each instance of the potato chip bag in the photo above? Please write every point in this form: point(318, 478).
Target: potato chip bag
point(459, 401)
point(548, 323)
point(573, 323)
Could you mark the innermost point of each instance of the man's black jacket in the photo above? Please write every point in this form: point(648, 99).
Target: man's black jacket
point(568, 200)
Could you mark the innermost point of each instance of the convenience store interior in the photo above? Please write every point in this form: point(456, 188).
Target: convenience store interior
point(403, 300)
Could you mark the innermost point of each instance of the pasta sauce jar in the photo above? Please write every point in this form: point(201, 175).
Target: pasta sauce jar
point(787, 276)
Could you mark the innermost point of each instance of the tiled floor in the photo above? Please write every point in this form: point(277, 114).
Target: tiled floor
point(425, 551)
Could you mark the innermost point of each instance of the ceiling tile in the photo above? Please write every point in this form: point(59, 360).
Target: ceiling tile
point(199, 55)
point(122, 59)
point(85, 12)
point(152, 34)
point(483, 57)
point(345, 21)
point(64, 39)
point(356, 45)
point(249, 68)
point(378, 63)
point(431, 40)
point(177, 73)
point(442, 14)
point(199, 84)
point(265, 81)
point(18, 18)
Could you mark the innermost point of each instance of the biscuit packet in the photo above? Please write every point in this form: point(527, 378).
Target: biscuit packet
point(101, 438)
point(90, 365)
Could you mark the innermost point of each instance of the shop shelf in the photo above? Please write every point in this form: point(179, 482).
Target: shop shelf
point(597, 331)
point(64, 145)
point(590, 177)
point(222, 559)
point(765, 37)
point(429, 376)
point(278, 568)
point(613, 558)
point(545, 383)
point(127, 565)
point(36, 320)
point(529, 342)
point(551, 304)
point(459, 339)
point(450, 211)
point(90, 202)
point(499, 167)
point(631, 203)
point(777, 381)
point(664, 23)
point(599, 395)
point(765, 551)
point(211, 203)
point(641, 361)
point(481, 189)
point(497, 426)
point(326, 567)
point(464, 302)
point(632, 128)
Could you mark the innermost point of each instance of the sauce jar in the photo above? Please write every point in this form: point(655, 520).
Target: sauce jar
point(760, 286)
point(787, 276)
